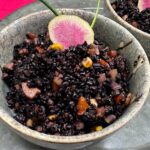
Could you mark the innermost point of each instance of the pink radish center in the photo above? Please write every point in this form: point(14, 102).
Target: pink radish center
point(146, 4)
point(69, 33)
point(143, 4)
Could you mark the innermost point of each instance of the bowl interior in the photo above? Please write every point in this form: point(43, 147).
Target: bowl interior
point(107, 31)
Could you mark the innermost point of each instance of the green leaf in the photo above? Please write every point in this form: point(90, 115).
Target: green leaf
point(96, 14)
point(50, 7)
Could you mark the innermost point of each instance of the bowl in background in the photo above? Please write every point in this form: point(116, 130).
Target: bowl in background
point(107, 31)
point(143, 37)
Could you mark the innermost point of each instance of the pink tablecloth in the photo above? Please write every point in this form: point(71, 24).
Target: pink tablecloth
point(9, 6)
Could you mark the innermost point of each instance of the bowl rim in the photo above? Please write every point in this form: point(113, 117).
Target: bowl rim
point(123, 22)
point(23, 130)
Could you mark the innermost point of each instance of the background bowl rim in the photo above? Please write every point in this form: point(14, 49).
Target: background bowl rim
point(23, 130)
point(124, 23)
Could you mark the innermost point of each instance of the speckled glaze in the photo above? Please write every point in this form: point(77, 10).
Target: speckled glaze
point(106, 30)
point(143, 37)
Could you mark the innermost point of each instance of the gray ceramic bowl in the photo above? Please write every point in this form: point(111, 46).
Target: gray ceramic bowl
point(143, 37)
point(106, 30)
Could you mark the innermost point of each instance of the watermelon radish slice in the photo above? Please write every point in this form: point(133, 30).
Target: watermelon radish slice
point(143, 4)
point(70, 30)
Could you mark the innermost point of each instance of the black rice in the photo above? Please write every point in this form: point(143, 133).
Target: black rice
point(54, 92)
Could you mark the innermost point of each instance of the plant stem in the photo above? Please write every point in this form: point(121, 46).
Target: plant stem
point(50, 7)
point(96, 14)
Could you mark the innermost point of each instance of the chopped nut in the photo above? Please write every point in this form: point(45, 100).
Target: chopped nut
point(29, 123)
point(39, 128)
point(114, 6)
point(55, 86)
point(52, 117)
point(103, 63)
point(125, 17)
point(31, 36)
point(17, 86)
point(56, 46)
point(17, 105)
point(57, 81)
point(93, 50)
point(33, 55)
point(116, 92)
point(30, 93)
point(39, 49)
point(100, 112)
point(112, 53)
point(82, 106)
point(135, 24)
point(56, 73)
point(94, 102)
point(28, 41)
point(109, 119)
point(128, 99)
point(9, 66)
point(98, 128)
point(115, 86)
point(119, 98)
point(23, 51)
point(87, 62)
point(60, 75)
point(113, 74)
point(35, 41)
point(102, 78)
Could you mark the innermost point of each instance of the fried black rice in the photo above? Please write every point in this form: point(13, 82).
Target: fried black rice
point(66, 92)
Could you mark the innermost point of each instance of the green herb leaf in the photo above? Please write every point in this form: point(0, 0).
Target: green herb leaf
point(96, 14)
point(50, 7)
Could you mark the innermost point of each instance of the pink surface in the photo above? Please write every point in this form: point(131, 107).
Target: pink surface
point(9, 6)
